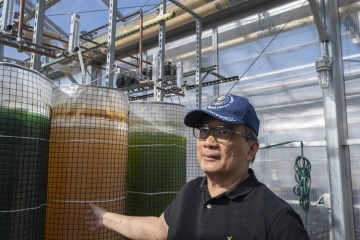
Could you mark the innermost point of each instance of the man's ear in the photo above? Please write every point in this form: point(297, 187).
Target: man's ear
point(254, 147)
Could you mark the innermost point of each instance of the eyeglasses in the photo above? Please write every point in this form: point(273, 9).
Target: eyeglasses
point(222, 134)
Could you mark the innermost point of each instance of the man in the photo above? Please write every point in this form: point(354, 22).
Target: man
point(229, 202)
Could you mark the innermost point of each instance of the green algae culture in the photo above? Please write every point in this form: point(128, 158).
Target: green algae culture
point(157, 157)
point(24, 149)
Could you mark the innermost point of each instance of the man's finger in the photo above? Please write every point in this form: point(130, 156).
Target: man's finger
point(88, 211)
point(91, 223)
point(90, 217)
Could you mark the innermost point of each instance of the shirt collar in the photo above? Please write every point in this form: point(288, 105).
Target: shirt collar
point(241, 189)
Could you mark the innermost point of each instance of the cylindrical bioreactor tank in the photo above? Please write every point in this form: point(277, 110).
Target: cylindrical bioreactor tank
point(25, 98)
point(157, 156)
point(88, 159)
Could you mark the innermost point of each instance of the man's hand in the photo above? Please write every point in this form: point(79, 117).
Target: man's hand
point(94, 217)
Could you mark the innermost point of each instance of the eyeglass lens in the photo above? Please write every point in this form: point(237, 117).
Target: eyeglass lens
point(221, 133)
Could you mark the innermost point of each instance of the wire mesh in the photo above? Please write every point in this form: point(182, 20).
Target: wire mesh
point(24, 149)
point(157, 157)
point(88, 159)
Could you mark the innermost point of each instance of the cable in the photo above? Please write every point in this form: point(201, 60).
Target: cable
point(100, 77)
point(100, 10)
point(266, 47)
point(144, 4)
point(302, 169)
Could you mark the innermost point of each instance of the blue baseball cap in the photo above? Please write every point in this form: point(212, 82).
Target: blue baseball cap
point(230, 109)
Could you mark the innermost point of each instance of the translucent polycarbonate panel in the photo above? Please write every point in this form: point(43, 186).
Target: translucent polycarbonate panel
point(275, 168)
point(355, 177)
point(350, 38)
point(192, 166)
point(350, 26)
point(274, 53)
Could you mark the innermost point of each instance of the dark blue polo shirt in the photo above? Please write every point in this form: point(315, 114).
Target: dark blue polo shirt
point(250, 211)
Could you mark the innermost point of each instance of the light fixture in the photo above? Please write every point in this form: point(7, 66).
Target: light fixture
point(179, 74)
point(74, 37)
point(323, 68)
point(6, 20)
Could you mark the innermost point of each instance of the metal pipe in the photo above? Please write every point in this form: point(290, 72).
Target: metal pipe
point(103, 54)
point(105, 25)
point(27, 49)
point(21, 20)
point(141, 42)
point(90, 64)
point(13, 36)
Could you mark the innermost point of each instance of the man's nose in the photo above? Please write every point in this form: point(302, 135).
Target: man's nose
point(210, 140)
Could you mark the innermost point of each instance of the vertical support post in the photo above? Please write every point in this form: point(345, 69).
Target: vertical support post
point(2, 50)
point(141, 44)
point(110, 58)
point(94, 73)
point(38, 33)
point(198, 63)
point(162, 31)
point(342, 213)
point(46, 70)
point(215, 58)
point(155, 74)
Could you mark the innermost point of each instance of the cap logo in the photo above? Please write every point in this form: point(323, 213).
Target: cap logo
point(221, 102)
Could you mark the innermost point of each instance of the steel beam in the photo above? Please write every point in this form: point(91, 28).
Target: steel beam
point(48, 23)
point(198, 50)
point(94, 74)
point(31, 15)
point(198, 63)
point(317, 19)
point(2, 51)
point(162, 32)
point(70, 77)
point(118, 36)
point(215, 57)
point(110, 58)
point(342, 212)
point(186, 9)
point(118, 14)
point(38, 33)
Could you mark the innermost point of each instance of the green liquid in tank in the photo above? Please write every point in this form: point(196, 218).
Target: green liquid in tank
point(23, 173)
point(157, 166)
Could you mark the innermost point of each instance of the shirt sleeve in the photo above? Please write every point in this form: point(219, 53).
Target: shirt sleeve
point(167, 213)
point(288, 225)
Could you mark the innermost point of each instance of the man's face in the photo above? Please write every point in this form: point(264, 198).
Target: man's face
point(226, 159)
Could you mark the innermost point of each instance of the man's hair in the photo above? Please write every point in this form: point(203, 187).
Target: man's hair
point(251, 133)
point(253, 136)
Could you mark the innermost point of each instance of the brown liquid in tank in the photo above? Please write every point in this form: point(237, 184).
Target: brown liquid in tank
point(86, 164)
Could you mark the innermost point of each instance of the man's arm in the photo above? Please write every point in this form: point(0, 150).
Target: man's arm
point(131, 227)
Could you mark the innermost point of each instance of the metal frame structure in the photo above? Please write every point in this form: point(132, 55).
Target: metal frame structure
point(38, 32)
point(337, 142)
point(110, 58)
point(159, 95)
point(107, 3)
point(215, 56)
point(337, 145)
point(198, 50)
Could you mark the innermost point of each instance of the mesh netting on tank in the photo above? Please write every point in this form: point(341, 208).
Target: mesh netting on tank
point(157, 156)
point(88, 159)
point(25, 97)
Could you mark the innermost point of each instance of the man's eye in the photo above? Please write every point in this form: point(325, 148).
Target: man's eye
point(225, 132)
point(203, 130)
